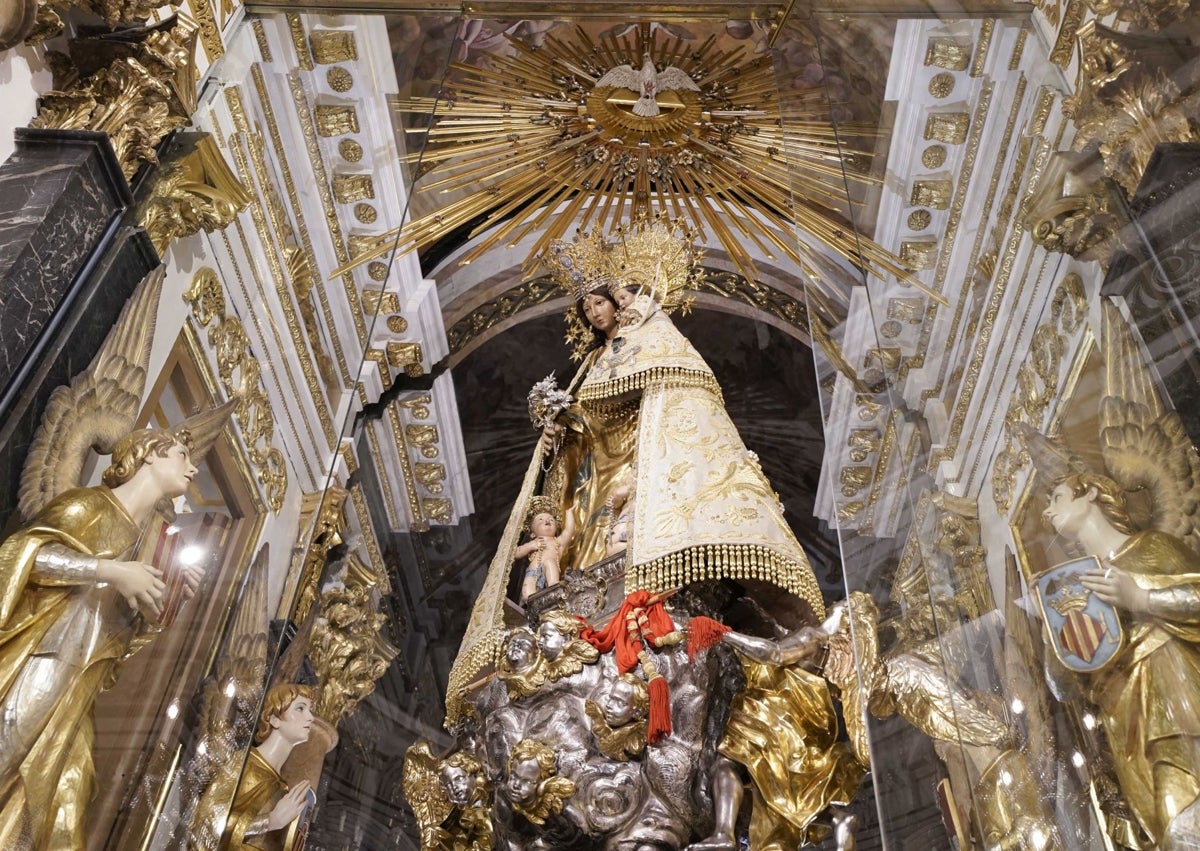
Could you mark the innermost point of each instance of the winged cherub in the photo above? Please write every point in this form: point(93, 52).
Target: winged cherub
point(72, 604)
point(647, 82)
point(451, 799)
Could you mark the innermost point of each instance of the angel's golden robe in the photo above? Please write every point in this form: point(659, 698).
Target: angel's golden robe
point(1149, 695)
point(258, 792)
point(60, 645)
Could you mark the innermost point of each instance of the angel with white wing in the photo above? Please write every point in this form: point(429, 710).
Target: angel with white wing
point(72, 606)
point(1149, 694)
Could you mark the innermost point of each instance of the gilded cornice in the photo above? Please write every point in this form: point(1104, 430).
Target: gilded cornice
point(281, 159)
point(252, 164)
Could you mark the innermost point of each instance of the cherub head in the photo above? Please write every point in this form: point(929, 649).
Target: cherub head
point(287, 712)
point(627, 700)
point(534, 787)
point(520, 650)
point(460, 773)
point(1074, 497)
point(544, 518)
point(156, 454)
point(557, 629)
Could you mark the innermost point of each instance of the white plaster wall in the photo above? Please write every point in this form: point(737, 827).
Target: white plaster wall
point(24, 76)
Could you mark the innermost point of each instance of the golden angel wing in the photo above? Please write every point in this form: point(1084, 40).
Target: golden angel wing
point(853, 666)
point(1145, 445)
point(97, 408)
point(423, 790)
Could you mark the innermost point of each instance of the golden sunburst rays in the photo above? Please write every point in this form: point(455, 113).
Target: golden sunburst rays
point(532, 145)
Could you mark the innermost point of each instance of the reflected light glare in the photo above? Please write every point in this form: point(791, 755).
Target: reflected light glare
point(1037, 837)
point(202, 749)
point(1077, 759)
point(173, 710)
point(230, 688)
point(172, 529)
point(191, 555)
point(1089, 721)
point(1006, 778)
point(1017, 706)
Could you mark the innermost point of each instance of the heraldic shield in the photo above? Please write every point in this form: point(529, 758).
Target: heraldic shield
point(1084, 631)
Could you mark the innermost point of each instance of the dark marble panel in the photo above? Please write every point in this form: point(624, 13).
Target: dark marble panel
point(79, 330)
point(1158, 273)
point(61, 195)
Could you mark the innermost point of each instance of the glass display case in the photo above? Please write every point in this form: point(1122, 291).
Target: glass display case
point(639, 426)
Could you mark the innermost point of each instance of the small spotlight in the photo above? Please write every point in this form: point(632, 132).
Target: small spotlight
point(191, 555)
point(173, 710)
point(1077, 759)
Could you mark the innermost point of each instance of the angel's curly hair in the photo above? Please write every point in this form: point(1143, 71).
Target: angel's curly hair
point(1110, 498)
point(133, 449)
point(277, 702)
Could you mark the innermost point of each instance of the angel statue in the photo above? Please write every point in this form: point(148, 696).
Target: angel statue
point(1149, 692)
point(264, 803)
point(451, 799)
point(72, 606)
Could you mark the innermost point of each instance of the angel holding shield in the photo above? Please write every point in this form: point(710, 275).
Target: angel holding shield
point(72, 606)
point(1149, 693)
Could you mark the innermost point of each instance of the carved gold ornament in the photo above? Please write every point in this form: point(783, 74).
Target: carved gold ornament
point(146, 90)
point(953, 54)
point(941, 85)
point(339, 79)
point(332, 46)
point(932, 193)
point(239, 372)
point(350, 150)
point(919, 254)
point(195, 191)
point(950, 127)
point(543, 125)
point(933, 157)
point(919, 219)
point(348, 188)
point(335, 120)
point(365, 213)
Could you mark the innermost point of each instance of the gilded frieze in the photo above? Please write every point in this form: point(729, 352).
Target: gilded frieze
point(424, 437)
point(432, 477)
point(335, 119)
point(296, 30)
point(439, 510)
point(406, 356)
point(332, 46)
point(238, 371)
point(348, 188)
point(953, 54)
point(919, 254)
point(933, 193)
point(1064, 42)
point(302, 230)
point(987, 29)
point(947, 127)
point(380, 301)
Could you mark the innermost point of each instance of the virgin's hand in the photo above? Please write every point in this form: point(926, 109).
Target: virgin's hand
point(140, 584)
point(1117, 588)
point(550, 436)
point(289, 807)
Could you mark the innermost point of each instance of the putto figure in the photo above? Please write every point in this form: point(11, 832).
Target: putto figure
point(564, 651)
point(72, 606)
point(534, 786)
point(450, 798)
point(545, 550)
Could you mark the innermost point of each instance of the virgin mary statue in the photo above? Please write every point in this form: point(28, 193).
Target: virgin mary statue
point(646, 436)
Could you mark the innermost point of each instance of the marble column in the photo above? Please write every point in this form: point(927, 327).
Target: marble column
point(62, 194)
point(78, 331)
point(1157, 272)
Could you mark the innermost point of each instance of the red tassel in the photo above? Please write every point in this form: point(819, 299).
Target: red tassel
point(660, 710)
point(703, 633)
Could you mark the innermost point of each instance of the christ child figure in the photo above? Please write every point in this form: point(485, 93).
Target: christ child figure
point(546, 546)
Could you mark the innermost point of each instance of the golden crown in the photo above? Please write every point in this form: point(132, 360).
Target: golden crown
point(543, 505)
point(1067, 601)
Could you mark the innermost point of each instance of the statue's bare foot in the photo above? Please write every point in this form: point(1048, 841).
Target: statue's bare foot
point(716, 842)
